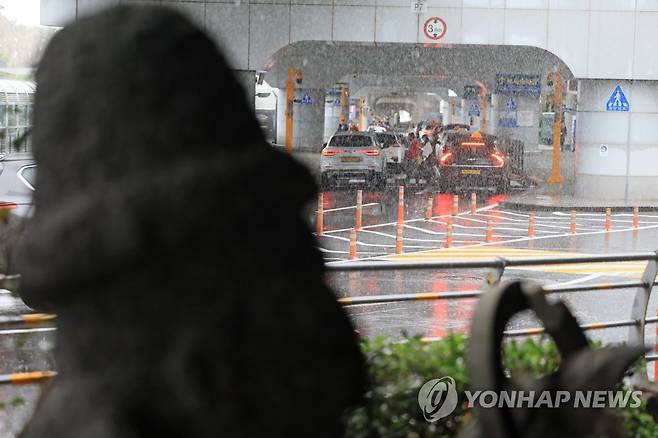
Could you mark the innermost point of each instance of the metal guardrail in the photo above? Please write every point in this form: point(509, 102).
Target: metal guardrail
point(636, 323)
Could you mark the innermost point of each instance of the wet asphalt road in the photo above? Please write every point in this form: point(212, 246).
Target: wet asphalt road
point(423, 238)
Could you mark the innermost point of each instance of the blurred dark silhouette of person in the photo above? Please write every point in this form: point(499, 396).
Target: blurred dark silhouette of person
point(172, 246)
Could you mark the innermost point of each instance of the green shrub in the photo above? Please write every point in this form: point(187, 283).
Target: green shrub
point(398, 369)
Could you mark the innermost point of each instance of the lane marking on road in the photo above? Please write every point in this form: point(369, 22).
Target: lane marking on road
point(464, 213)
point(351, 207)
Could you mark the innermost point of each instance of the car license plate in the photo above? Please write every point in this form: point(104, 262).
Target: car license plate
point(471, 172)
point(350, 159)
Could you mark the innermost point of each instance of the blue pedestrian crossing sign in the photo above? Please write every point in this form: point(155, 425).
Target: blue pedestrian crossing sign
point(306, 99)
point(337, 102)
point(474, 111)
point(510, 104)
point(617, 101)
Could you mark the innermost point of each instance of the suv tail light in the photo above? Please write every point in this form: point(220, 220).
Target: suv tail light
point(329, 152)
point(497, 160)
point(446, 159)
point(371, 152)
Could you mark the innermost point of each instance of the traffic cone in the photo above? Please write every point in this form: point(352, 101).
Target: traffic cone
point(572, 227)
point(430, 208)
point(359, 209)
point(474, 203)
point(398, 239)
point(401, 205)
point(608, 219)
point(353, 244)
point(455, 205)
point(319, 220)
point(636, 217)
point(531, 224)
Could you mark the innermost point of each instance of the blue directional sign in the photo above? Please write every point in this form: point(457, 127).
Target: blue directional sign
point(474, 111)
point(618, 101)
point(306, 99)
point(337, 102)
point(510, 104)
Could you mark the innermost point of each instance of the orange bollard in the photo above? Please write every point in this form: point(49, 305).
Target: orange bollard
point(359, 209)
point(353, 244)
point(401, 205)
point(455, 205)
point(319, 221)
point(608, 219)
point(531, 224)
point(430, 208)
point(572, 227)
point(449, 235)
point(489, 236)
point(398, 239)
point(474, 203)
point(636, 217)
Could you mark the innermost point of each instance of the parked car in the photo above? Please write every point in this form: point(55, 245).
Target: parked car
point(353, 158)
point(472, 161)
point(17, 179)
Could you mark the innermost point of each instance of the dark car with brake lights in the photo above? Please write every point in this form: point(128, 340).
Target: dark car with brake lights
point(473, 162)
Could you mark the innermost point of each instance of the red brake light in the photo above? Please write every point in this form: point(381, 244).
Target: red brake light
point(371, 152)
point(329, 152)
point(446, 159)
point(497, 160)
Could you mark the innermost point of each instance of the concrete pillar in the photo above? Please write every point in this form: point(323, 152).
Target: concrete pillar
point(625, 167)
point(308, 129)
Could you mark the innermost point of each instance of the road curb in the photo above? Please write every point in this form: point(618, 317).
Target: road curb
point(538, 206)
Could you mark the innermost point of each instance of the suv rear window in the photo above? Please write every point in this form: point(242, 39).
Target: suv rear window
point(351, 141)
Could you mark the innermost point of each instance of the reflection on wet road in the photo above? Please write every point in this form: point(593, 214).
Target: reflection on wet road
point(509, 237)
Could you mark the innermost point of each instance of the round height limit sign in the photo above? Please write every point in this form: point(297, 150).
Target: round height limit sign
point(435, 28)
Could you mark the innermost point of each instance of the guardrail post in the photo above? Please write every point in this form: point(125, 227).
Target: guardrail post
point(531, 224)
point(641, 302)
point(474, 203)
point(608, 219)
point(359, 209)
point(319, 220)
point(636, 217)
point(455, 205)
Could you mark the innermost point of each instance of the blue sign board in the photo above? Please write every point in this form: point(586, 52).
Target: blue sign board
point(306, 99)
point(337, 102)
point(471, 91)
point(510, 104)
point(521, 84)
point(617, 101)
point(474, 111)
point(507, 122)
